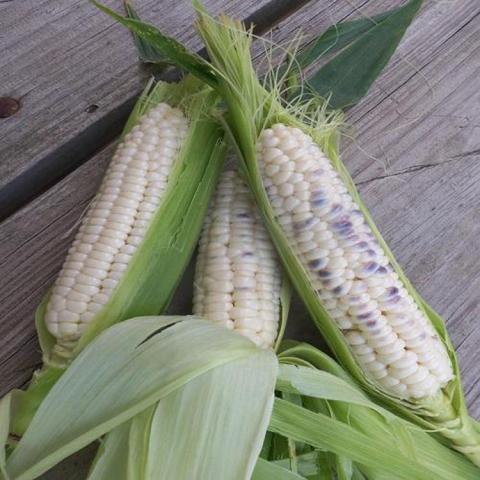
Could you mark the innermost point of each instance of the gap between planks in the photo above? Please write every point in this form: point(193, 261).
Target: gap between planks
point(33, 242)
point(45, 172)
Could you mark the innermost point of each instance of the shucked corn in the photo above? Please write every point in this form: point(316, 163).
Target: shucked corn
point(238, 278)
point(389, 335)
point(382, 332)
point(116, 222)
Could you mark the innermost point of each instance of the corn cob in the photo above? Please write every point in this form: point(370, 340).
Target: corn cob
point(149, 207)
point(238, 278)
point(139, 233)
point(117, 221)
point(377, 325)
point(389, 335)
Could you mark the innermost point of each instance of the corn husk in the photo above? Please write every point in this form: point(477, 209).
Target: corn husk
point(319, 379)
point(178, 368)
point(159, 262)
point(265, 470)
point(252, 107)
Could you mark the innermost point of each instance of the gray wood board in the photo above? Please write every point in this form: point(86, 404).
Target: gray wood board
point(34, 241)
point(413, 152)
point(76, 93)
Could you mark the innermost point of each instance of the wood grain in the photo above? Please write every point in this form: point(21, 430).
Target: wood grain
point(76, 93)
point(34, 241)
point(414, 152)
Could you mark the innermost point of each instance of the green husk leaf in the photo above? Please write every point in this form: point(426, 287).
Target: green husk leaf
point(172, 50)
point(27, 402)
point(265, 470)
point(343, 467)
point(218, 417)
point(251, 109)
point(139, 441)
point(339, 36)
point(345, 79)
point(315, 383)
point(5, 415)
point(126, 454)
point(308, 463)
point(112, 456)
point(45, 338)
point(285, 299)
point(211, 412)
point(147, 52)
point(410, 440)
point(327, 433)
point(102, 388)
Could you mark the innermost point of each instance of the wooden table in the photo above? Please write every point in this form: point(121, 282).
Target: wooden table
point(414, 150)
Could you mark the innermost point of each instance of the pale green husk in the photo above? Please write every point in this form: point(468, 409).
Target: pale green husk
point(253, 107)
point(132, 367)
point(156, 268)
point(326, 388)
point(200, 421)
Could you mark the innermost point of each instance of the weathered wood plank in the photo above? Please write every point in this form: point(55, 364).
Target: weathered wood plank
point(423, 187)
point(76, 93)
point(33, 242)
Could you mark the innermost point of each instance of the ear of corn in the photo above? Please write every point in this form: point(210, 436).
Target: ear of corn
point(238, 278)
point(367, 310)
point(140, 230)
point(138, 234)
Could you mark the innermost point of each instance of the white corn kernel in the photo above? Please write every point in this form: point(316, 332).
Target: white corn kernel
point(237, 279)
point(352, 266)
point(102, 243)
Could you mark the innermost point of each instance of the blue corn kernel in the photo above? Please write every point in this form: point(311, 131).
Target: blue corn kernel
point(344, 232)
point(243, 215)
point(371, 323)
point(394, 299)
point(364, 316)
point(320, 202)
point(393, 291)
point(362, 246)
point(351, 239)
point(324, 273)
point(317, 263)
point(357, 212)
point(382, 270)
point(304, 223)
point(247, 254)
point(318, 198)
point(371, 253)
point(335, 210)
point(338, 290)
point(370, 267)
point(341, 224)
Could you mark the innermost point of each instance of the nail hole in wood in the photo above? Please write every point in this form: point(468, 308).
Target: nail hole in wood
point(8, 106)
point(92, 108)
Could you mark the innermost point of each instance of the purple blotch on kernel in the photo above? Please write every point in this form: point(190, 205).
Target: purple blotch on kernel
point(324, 273)
point(317, 263)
